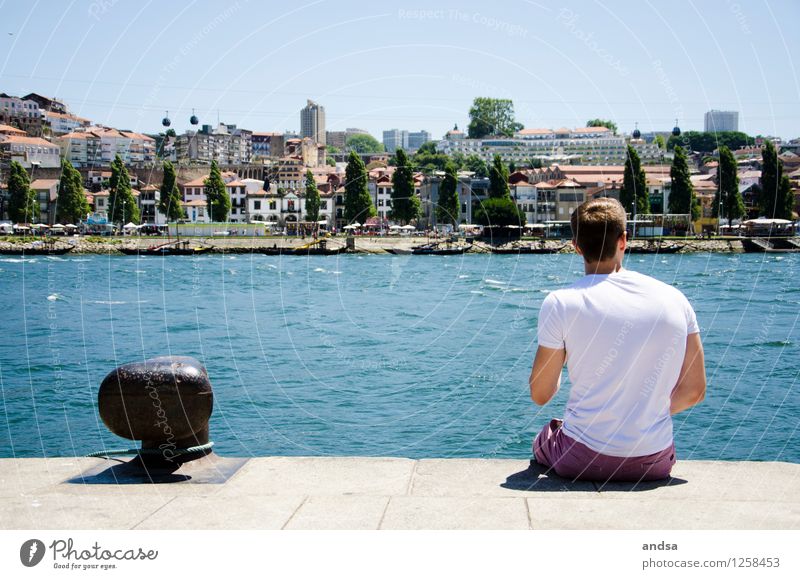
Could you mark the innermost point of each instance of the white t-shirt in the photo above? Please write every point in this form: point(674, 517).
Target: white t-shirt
point(625, 338)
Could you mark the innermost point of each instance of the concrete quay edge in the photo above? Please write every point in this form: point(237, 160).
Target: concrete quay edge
point(395, 493)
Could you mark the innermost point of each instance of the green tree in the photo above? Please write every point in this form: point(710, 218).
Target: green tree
point(535, 163)
point(448, 205)
point(312, 198)
point(775, 197)
point(490, 116)
point(122, 207)
point(330, 162)
point(477, 165)
point(427, 159)
point(610, 125)
point(786, 195)
point(728, 202)
point(405, 203)
point(219, 202)
point(169, 202)
point(703, 142)
point(681, 198)
point(659, 140)
point(72, 203)
point(499, 211)
point(498, 179)
point(361, 143)
point(22, 204)
point(634, 185)
point(357, 200)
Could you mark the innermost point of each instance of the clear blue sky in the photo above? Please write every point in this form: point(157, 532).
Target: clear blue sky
point(415, 66)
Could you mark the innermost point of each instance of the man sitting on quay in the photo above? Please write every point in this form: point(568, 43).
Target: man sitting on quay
point(633, 352)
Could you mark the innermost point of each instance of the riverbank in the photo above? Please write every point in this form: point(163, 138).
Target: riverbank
point(393, 493)
point(368, 245)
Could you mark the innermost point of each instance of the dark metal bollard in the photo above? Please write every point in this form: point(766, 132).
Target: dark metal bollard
point(165, 402)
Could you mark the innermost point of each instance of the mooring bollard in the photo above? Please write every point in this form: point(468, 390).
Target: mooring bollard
point(164, 402)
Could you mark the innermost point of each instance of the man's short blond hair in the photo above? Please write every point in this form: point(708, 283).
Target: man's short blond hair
point(597, 224)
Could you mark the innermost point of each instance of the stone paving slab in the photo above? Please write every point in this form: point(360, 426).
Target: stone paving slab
point(321, 476)
point(451, 513)
point(244, 513)
point(642, 512)
point(453, 477)
point(338, 513)
point(398, 493)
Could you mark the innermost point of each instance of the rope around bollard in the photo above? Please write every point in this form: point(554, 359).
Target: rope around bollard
point(151, 451)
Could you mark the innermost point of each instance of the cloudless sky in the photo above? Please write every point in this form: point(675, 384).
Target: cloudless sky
point(415, 65)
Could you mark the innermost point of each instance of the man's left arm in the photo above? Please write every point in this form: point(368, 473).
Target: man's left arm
point(545, 375)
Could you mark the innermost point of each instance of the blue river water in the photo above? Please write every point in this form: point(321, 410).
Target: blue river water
point(372, 355)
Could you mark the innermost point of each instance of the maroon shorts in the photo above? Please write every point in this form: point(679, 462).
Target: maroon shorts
point(572, 459)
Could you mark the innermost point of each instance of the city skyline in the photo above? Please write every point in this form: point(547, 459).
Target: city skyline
point(560, 66)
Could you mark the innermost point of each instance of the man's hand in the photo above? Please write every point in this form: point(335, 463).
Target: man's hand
point(546, 374)
point(691, 386)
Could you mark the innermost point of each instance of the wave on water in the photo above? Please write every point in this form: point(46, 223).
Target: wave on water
point(495, 281)
point(115, 302)
point(17, 260)
point(54, 297)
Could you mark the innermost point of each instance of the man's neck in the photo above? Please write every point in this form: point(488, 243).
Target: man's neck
point(602, 267)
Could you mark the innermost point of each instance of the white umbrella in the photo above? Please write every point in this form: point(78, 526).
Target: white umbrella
point(129, 225)
point(41, 225)
point(58, 226)
point(68, 225)
point(355, 224)
point(408, 227)
point(322, 221)
point(349, 227)
point(394, 227)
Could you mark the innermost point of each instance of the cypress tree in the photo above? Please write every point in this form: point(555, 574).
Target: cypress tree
point(448, 204)
point(72, 203)
point(771, 175)
point(122, 207)
point(22, 204)
point(498, 180)
point(681, 197)
point(169, 202)
point(312, 198)
point(786, 196)
point(219, 203)
point(357, 201)
point(634, 185)
point(728, 202)
point(405, 203)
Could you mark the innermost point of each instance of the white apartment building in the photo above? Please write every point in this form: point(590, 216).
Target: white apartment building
point(395, 139)
point(11, 106)
point(61, 123)
point(98, 146)
point(29, 151)
point(587, 145)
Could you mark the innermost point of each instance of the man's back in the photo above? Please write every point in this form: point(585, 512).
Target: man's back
point(625, 338)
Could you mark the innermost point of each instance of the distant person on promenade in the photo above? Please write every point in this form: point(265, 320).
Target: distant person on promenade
point(634, 356)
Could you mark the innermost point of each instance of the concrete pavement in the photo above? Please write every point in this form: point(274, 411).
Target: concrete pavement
point(390, 493)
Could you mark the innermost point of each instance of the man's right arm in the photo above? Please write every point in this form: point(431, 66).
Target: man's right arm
point(691, 386)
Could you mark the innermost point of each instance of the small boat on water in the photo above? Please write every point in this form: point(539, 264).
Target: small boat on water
point(437, 249)
point(655, 248)
point(169, 248)
point(399, 251)
point(770, 245)
point(519, 248)
point(41, 250)
point(318, 247)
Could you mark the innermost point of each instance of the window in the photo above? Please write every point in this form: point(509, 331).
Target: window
point(256, 205)
point(273, 205)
